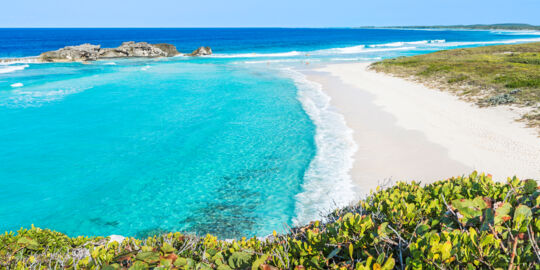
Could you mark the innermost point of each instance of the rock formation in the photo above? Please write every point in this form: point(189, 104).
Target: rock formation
point(167, 48)
point(201, 51)
point(132, 49)
point(89, 52)
point(84, 52)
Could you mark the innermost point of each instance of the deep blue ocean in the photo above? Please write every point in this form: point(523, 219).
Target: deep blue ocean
point(237, 143)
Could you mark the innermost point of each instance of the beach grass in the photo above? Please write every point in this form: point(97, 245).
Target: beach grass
point(488, 76)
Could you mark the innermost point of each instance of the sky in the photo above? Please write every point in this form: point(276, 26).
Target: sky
point(263, 13)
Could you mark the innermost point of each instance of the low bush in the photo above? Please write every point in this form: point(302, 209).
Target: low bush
point(499, 99)
point(466, 222)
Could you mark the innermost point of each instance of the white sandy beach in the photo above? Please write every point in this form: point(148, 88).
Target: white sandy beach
point(406, 131)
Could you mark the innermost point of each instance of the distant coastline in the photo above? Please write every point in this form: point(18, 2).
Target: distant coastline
point(499, 26)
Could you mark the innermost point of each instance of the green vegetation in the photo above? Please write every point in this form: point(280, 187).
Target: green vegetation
point(460, 223)
point(489, 76)
point(499, 26)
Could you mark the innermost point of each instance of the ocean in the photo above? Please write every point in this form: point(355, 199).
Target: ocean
point(235, 144)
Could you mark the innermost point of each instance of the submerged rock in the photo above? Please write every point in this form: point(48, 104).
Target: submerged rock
point(201, 51)
point(89, 52)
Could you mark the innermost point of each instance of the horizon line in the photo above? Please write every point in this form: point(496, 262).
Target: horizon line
point(253, 27)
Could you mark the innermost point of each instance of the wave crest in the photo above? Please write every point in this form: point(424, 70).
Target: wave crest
point(9, 69)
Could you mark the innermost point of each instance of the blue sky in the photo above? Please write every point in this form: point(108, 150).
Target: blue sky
point(263, 13)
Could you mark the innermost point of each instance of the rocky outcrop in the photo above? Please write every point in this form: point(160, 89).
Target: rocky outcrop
point(84, 52)
point(169, 49)
point(201, 51)
point(132, 49)
point(89, 52)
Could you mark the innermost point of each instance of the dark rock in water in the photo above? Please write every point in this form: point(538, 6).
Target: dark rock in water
point(201, 51)
point(169, 49)
point(89, 52)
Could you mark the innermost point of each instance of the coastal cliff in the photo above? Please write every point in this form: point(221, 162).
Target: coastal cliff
point(90, 52)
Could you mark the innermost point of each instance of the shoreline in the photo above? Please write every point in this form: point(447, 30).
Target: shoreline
point(406, 131)
point(327, 183)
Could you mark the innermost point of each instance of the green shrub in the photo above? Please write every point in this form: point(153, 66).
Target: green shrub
point(460, 223)
point(499, 99)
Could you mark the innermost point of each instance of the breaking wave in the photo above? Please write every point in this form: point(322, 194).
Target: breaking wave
point(327, 181)
point(10, 68)
point(375, 48)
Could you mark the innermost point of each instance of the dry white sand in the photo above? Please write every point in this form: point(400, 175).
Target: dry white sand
point(406, 131)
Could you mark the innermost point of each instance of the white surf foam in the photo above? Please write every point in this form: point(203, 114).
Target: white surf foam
point(110, 64)
point(323, 52)
point(17, 85)
point(516, 32)
point(273, 61)
point(357, 49)
point(254, 55)
point(327, 182)
point(33, 98)
point(362, 59)
point(493, 42)
point(145, 68)
point(373, 48)
point(22, 60)
point(403, 43)
point(278, 61)
point(443, 43)
point(9, 68)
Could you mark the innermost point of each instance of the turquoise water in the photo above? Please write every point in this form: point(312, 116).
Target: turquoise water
point(142, 146)
point(235, 144)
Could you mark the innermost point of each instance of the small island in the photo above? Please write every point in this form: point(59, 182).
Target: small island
point(130, 49)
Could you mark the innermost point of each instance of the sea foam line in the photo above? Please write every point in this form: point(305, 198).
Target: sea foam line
point(466, 43)
point(373, 48)
point(402, 43)
point(35, 98)
point(255, 55)
point(20, 60)
point(516, 32)
point(9, 69)
point(327, 181)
